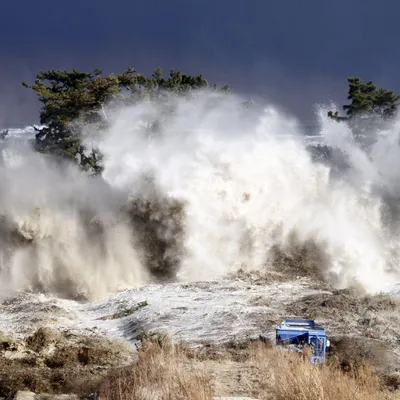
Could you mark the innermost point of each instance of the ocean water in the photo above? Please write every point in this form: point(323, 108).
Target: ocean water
point(219, 188)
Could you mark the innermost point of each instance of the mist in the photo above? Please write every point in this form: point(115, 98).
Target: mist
point(214, 187)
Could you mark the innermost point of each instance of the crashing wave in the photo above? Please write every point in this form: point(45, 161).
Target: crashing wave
point(219, 188)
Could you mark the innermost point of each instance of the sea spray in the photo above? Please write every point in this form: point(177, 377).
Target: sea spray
point(214, 188)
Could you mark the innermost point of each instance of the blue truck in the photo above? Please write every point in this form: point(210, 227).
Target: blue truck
point(294, 334)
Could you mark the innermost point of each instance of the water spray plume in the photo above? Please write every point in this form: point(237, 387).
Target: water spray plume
point(216, 187)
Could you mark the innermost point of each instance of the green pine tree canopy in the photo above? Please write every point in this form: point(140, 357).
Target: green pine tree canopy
point(367, 99)
point(71, 96)
point(68, 96)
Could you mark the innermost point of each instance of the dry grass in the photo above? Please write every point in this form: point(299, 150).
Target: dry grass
point(294, 378)
point(165, 371)
point(50, 362)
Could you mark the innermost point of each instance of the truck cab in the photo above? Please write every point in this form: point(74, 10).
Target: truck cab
point(294, 334)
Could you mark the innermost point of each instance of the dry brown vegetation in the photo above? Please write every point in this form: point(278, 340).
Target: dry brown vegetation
point(174, 372)
point(302, 381)
point(48, 362)
point(163, 371)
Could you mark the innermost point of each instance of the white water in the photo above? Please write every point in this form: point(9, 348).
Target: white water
point(203, 311)
point(246, 182)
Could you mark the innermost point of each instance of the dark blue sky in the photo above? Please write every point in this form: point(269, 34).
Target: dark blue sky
point(293, 52)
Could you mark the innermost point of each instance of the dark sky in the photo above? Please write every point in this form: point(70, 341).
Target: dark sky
point(296, 53)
